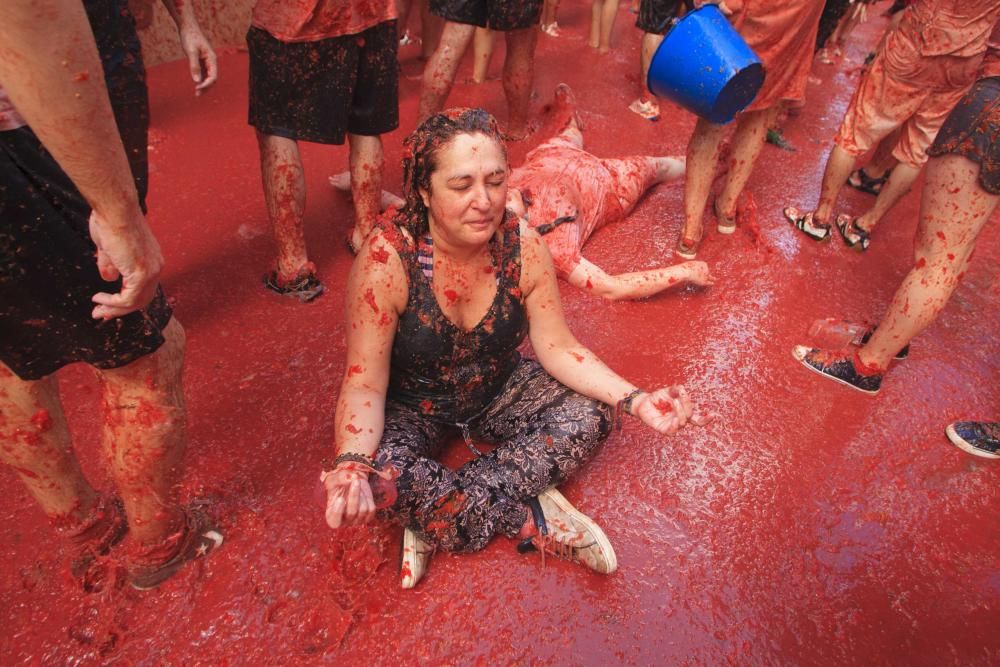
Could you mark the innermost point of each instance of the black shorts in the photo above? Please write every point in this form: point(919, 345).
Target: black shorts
point(505, 15)
point(654, 15)
point(48, 273)
point(972, 130)
point(319, 91)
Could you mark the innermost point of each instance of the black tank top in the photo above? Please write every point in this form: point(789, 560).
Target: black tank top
point(447, 373)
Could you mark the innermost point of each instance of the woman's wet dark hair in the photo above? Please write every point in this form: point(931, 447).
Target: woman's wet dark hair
point(420, 151)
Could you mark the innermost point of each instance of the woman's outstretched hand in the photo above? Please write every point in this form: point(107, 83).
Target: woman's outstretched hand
point(349, 500)
point(667, 410)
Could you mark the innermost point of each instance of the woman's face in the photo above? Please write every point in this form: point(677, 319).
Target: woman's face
point(468, 190)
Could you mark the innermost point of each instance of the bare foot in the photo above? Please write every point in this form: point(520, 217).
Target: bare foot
point(670, 168)
point(342, 183)
point(564, 108)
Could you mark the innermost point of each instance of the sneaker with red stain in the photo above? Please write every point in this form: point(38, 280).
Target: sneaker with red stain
point(843, 367)
point(565, 532)
point(93, 539)
point(415, 556)
point(196, 539)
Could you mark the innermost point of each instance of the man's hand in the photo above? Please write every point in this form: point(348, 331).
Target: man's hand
point(129, 251)
point(202, 61)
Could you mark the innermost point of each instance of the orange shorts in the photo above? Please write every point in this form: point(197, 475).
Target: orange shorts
point(905, 89)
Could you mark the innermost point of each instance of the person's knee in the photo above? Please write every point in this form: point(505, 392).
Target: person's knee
point(593, 422)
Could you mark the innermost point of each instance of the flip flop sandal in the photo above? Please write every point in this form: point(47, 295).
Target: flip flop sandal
point(860, 180)
point(804, 223)
point(687, 248)
point(305, 288)
point(726, 225)
point(854, 236)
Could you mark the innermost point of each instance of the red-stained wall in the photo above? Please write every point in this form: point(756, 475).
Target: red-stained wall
point(224, 22)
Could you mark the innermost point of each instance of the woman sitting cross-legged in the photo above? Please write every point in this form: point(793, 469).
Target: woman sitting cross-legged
point(439, 301)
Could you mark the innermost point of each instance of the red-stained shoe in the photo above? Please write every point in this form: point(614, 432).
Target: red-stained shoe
point(196, 539)
point(687, 248)
point(567, 533)
point(414, 557)
point(93, 539)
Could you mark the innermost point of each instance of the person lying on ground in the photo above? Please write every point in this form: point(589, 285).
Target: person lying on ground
point(439, 301)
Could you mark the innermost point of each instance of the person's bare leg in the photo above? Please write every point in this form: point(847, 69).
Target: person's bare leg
point(518, 77)
point(751, 134)
point(650, 43)
point(367, 160)
point(702, 156)
point(883, 159)
point(431, 27)
point(549, 22)
point(143, 437)
point(285, 194)
point(35, 442)
point(839, 166)
point(900, 181)
point(953, 210)
point(482, 53)
point(403, 8)
point(342, 183)
point(439, 73)
point(609, 12)
point(634, 176)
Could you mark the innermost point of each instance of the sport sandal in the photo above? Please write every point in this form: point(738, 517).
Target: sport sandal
point(860, 180)
point(414, 557)
point(305, 286)
point(854, 236)
point(804, 222)
point(567, 533)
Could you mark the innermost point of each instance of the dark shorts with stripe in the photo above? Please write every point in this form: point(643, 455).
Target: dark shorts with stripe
point(505, 15)
point(972, 130)
point(319, 91)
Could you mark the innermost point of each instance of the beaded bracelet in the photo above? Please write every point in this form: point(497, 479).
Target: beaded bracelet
point(356, 457)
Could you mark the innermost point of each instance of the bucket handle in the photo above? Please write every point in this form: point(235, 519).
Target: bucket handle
point(671, 21)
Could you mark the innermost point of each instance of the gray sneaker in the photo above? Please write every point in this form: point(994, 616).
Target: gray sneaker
point(567, 533)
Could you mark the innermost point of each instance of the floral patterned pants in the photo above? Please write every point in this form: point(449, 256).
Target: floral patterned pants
point(544, 432)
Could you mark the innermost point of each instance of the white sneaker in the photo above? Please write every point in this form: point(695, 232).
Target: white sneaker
point(413, 560)
point(567, 533)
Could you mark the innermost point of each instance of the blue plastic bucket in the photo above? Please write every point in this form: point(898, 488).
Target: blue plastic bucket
point(705, 66)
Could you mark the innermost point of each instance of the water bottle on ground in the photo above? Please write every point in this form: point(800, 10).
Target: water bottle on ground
point(831, 333)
